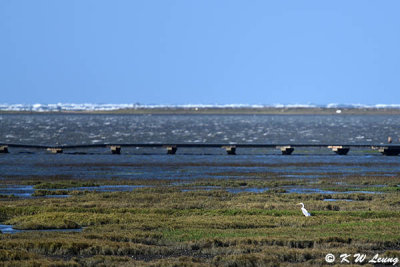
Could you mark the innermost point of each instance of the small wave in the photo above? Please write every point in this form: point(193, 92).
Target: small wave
point(109, 107)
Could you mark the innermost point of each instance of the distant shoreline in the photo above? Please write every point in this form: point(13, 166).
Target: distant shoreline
point(226, 111)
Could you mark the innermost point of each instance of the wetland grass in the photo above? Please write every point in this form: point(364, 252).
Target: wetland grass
point(163, 226)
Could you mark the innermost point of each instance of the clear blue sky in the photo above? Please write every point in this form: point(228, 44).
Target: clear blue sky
point(190, 51)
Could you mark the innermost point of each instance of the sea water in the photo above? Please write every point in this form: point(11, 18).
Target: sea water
point(192, 163)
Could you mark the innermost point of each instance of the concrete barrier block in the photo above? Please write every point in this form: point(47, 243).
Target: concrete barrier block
point(340, 150)
point(115, 149)
point(286, 150)
point(171, 150)
point(230, 150)
point(55, 150)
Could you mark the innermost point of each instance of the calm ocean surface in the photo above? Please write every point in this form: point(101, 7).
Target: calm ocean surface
point(193, 163)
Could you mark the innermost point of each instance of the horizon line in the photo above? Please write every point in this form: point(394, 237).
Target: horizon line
point(111, 107)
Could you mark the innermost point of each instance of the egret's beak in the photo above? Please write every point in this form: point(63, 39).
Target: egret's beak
point(298, 204)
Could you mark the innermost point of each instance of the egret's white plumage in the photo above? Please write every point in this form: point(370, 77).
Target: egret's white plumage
point(305, 212)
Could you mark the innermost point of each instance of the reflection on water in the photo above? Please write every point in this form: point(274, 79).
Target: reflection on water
point(248, 189)
point(300, 190)
point(26, 191)
point(17, 190)
point(337, 199)
point(8, 229)
point(186, 167)
point(107, 188)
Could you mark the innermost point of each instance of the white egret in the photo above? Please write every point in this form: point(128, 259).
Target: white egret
point(305, 212)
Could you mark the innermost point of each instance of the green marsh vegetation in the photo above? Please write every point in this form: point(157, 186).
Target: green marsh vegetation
point(199, 223)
